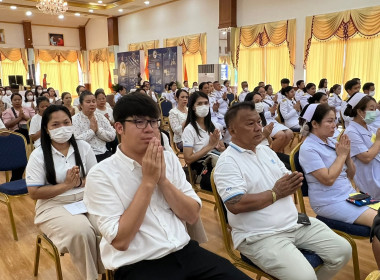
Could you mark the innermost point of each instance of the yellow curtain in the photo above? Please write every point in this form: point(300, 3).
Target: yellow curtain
point(191, 62)
point(10, 68)
point(344, 25)
point(278, 65)
point(14, 55)
point(101, 61)
point(62, 76)
point(362, 61)
point(325, 61)
point(145, 46)
point(194, 51)
point(99, 75)
point(251, 66)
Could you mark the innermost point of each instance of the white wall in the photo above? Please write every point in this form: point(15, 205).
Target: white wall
point(254, 12)
point(41, 37)
point(97, 34)
point(13, 34)
point(176, 19)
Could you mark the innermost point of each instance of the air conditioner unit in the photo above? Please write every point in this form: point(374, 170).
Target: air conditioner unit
point(212, 72)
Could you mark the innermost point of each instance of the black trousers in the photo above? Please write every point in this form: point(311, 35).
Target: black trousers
point(101, 157)
point(191, 263)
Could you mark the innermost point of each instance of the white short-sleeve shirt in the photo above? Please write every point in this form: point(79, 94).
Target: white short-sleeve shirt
point(110, 188)
point(36, 170)
point(35, 126)
point(108, 111)
point(191, 139)
point(240, 171)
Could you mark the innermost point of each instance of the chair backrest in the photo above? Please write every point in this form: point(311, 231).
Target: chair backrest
point(231, 97)
point(340, 134)
point(296, 166)
point(110, 98)
point(279, 117)
point(227, 239)
point(234, 102)
point(172, 144)
point(165, 106)
point(12, 150)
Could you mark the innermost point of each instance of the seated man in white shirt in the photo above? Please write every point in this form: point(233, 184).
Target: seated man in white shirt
point(285, 82)
point(140, 199)
point(257, 190)
point(218, 104)
point(186, 86)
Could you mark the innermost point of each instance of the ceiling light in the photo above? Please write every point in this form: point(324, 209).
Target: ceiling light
point(52, 7)
point(146, 2)
point(77, 14)
point(100, 1)
point(13, 7)
point(61, 16)
point(120, 10)
point(224, 32)
point(28, 13)
point(91, 11)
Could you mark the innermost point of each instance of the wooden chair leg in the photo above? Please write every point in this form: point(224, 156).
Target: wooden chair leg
point(11, 218)
point(109, 274)
point(37, 257)
point(295, 198)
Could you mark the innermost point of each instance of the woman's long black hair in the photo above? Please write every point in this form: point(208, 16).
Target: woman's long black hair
point(192, 117)
point(46, 144)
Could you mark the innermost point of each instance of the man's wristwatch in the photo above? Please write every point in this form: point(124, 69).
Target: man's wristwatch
point(274, 196)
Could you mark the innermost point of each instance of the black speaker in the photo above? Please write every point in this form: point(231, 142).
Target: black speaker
point(19, 80)
point(12, 80)
point(29, 82)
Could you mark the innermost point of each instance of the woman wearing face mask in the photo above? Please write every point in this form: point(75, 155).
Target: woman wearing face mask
point(35, 123)
point(56, 176)
point(200, 136)
point(335, 100)
point(7, 95)
point(39, 90)
point(177, 117)
point(15, 118)
point(93, 127)
point(66, 101)
point(365, 143)
point(53, 97)
point(29, 100)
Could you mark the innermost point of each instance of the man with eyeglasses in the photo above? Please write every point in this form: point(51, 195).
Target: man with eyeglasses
point(140, 199)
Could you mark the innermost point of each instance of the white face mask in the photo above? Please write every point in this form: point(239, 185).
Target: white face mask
point(61, 134)
point(246, 89)
point(259, 107)
point(8, 92)
point(30, 97)
point(202, 111)
point(371, 93)
point(39, 91)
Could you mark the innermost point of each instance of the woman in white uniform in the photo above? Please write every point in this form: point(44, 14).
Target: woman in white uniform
point(56, 176)
point(200, 135)
point(309, 92)
point(177, 117)
point(289, 109)
point(365, 141)
point(328, 168)
point(335, 100)
point(322, 87)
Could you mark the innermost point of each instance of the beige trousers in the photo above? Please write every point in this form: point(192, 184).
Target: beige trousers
point(277, 254)
point(73, 234)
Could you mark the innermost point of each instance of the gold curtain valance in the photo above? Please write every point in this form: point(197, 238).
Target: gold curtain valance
point(57, 55)
point(145, 46)
point(14, 55)
point(191, 44)
point(343, 25)
point(275, 33)
point(98, 55)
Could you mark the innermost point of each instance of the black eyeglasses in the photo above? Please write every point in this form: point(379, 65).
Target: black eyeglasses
point(143, 123)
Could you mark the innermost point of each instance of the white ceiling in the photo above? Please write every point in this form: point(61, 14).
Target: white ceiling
point(70, 20)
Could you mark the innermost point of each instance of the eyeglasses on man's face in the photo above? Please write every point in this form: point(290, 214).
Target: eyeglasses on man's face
point(143, 123)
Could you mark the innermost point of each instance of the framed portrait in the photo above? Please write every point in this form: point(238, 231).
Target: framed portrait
point(2, 36)
point(56, 40)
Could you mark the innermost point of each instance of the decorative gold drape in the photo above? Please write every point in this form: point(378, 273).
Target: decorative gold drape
point(275, 33)
point(343, 25)
point(145, 46)
point(57, 55)
point(14, 55)
point(190, 44)
point(102, 62)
